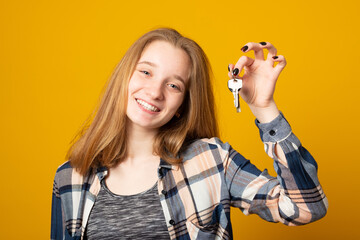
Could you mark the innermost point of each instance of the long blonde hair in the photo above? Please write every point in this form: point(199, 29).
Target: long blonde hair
point(102, 141)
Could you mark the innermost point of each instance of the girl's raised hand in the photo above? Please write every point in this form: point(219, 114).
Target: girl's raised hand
point(259, 78)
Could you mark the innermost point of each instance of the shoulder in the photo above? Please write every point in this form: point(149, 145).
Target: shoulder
point(64, 171)
point(208, 148)
point(212, 143)
point(66, 175)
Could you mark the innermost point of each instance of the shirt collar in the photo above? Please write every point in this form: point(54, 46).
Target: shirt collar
point(101, 172)
point(164, 164)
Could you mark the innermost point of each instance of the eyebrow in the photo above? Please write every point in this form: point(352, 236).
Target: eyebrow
point(154, 65)
point(148, 63)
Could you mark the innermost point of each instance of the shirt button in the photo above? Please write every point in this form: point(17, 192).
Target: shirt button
point(164, 192)
point(272, 132)
point(172, 222)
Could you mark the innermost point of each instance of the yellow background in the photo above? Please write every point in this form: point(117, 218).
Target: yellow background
point(55, 57)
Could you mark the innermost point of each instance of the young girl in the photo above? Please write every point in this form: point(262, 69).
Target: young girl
point(150, 164)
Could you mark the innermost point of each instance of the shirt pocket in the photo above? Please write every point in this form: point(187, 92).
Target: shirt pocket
point(209, 228)
point(198, 232)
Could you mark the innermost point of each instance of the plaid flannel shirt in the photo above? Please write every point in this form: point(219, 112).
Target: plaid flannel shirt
point(196, 195)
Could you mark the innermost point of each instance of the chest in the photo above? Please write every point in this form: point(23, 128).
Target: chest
point(131, 180)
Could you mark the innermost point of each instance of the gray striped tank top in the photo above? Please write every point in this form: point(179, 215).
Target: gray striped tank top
point(138, 216)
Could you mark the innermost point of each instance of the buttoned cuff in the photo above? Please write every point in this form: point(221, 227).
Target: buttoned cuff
point(274, 131)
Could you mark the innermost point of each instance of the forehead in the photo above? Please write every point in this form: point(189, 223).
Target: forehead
point(166, 57)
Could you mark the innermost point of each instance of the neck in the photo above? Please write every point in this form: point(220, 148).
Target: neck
point(140, 144)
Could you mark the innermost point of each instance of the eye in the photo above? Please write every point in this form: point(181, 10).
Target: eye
point(173, 86)
point(146, 73)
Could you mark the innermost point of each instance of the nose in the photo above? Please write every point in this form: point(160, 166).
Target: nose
point(155, 90)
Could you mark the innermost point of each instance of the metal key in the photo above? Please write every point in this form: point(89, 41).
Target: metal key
point(234, 86)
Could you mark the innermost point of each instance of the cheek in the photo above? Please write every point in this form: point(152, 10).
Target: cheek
point(178, 101)
point(133, 86)
point(130, 93)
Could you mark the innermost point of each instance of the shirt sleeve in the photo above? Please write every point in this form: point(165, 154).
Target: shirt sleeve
point(295, 196)
point(56, 232)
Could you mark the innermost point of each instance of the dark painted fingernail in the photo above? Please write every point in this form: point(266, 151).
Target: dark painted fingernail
point(229, 68)
point(275, 57)
point(236, 71)
point(244, 48)
point(263, 43)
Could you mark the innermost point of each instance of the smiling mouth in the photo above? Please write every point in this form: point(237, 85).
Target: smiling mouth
point(147, 106)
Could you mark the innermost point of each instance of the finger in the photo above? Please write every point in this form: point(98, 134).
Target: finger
point(281, 63)
point(230, 70)
point(257, 47)
point(243, 61)
point(272, 50)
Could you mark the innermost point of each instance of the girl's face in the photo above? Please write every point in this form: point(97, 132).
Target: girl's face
point(158, 85)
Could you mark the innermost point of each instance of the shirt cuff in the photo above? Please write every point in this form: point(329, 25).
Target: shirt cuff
point(274, 131)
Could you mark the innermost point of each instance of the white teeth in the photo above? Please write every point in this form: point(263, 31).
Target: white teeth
point(147, 106)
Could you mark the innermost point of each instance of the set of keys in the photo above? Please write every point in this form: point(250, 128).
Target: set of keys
point(234, 86)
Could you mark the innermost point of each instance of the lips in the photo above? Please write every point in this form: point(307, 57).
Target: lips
point(147, 105)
